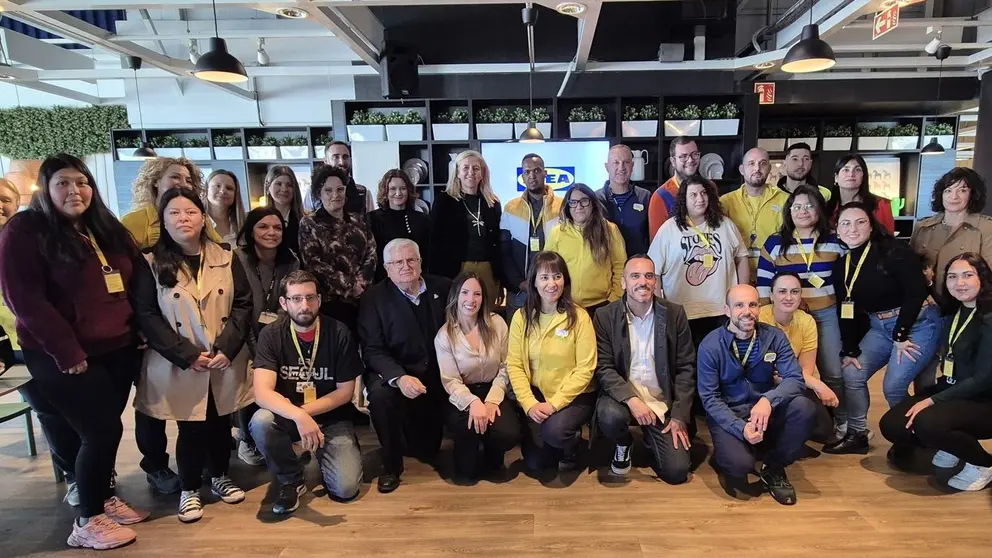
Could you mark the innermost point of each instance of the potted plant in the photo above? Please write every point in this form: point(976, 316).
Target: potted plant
point(771, 137)
point(294, 147)
point(640, 122)
point(587, 122)
point(682, 121)
point(872, 137)
point(319, 143)
point(943, 131)
point(451, 126)
point(522, 118)
point(367, 125)
point(837, 137)
point(494, 124)
point(721, 120)
point(802, 134)
point(197, 148)
point(263, 147)
point(168, 145)
point(405, 126)
point(227, 147)
point(126, 146)
point(905, 136)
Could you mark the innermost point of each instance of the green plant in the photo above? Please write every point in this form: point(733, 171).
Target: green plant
point(35, 133)
point(411, 116)
point(196, 142)
point(540, 114)
point(808, 131)
point(456, 116)
point(687, 112)
point(645, 112)
point(521, 114)
point(293, 141)
point(271, 141)
point(905, 130)
point(868, 131)
point(368, 117)
point(128, 142)
point(499, 115)
point(587, 114)
point(939, 129)
point(773, 131)
point(167, 141)
point(227, 140)
point(717, 111)
point(322, 140)
point(837, 131)
point(524, 115)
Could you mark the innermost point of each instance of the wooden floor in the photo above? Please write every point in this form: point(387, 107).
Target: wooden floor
point(848, 506)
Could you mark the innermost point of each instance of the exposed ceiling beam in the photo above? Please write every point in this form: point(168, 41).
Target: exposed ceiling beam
point(928, 22)
point(842, 12)
point(265, 5)
point(587, 31)
point(357, 27)
point(879, 75)
point(28, 79)
point(882, 47)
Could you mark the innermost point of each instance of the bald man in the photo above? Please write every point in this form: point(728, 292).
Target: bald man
point(749, 417)
point(626, 204)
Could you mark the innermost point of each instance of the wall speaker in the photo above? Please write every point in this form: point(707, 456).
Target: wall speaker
point(399, 72)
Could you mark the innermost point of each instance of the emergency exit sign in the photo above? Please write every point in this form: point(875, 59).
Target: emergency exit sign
point(885, 21)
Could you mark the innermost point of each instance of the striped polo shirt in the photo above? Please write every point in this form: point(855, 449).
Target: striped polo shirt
point(772, 261)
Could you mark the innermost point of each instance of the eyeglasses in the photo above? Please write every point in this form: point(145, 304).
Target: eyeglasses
point(802, 206)
point(686, 156)
point(584, 202)
point(410, 262)
point(298, 299)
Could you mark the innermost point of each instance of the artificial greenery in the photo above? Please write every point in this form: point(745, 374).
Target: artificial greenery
point(322, 140)
point(456, 116)
point(686, 112)
point(128, 142)
point(167, 141)
point(802, 131)
point(411, 116)
point(196, 142)
point(368, 117)
point(525, 115)
point(773, 131)
point(716, 111)
point(905, 130)
point(587, 114)
point(645, 112)
point(867, 131)
point(293, 141)
point(263, 141)
point(36, 133)
point(939, 129)
point(227, 140)
point(499, 115)
point(837, 131)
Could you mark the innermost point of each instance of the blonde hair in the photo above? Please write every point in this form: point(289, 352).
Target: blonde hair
point(236, 213)
point(274, 173)
point(143, 190)
point(4, 183)
point(454, 188)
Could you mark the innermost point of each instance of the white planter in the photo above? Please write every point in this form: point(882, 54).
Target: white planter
point(366, 132)
point(450, 132)
point(318, 151)
point(811, 142)
point(872, 143)
point(294, 152)
point(900, 143)
point(405, 132)
point(174, 152)
point(197, 153)
point(837, 144)
point(772, 144)
point(947, 142)
point(264, 152)
point(682, 127)
point(639, 128)
point(229, 154)
point(587, 129)
point(544, 127)
point(126, 154)
point(494, 131)
point(721, 127)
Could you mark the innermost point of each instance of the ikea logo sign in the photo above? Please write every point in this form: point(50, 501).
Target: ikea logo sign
point(559, 178)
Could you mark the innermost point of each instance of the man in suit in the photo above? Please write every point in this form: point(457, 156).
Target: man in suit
point(647, 369)
point(397, 322)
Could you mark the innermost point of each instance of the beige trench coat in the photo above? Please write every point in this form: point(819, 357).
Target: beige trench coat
point(169, 393)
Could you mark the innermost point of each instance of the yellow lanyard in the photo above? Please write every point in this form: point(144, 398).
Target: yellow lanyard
point(702, 236)
point(802, 250)
point(99, 253)
point(307, 366)
point(111, 278)
point(952, 338)
point(750, 346)
point(857, 270)
point(534, 225)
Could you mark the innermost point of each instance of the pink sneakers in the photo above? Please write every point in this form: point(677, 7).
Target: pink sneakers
point(122, 513)
point(100, 533)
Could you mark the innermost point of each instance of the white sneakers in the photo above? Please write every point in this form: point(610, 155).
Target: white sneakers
point(971, 478)
point(191, 506)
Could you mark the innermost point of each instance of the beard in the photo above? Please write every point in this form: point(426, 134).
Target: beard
point(303, 319)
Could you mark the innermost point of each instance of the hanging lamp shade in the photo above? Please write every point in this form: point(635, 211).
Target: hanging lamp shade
point(810, 54)
point(218, 65)
point(933, 148)
point(532, 134)
point(144, 152)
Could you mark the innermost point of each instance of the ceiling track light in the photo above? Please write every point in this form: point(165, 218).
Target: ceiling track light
point(144, 151)
point(531, 134)
point(217, 64)
point(261, 55)
point(571, 8)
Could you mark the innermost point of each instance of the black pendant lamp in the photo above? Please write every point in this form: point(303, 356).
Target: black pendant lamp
point(145, 151)
point(811, 53)
point(532, 134)
point(934, 147)
point(218, 65)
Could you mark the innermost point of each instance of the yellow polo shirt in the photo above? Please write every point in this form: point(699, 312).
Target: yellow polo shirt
point(756, 218)
point(801, 332)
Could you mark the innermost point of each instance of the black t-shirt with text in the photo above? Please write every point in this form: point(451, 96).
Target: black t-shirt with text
point(337, 362)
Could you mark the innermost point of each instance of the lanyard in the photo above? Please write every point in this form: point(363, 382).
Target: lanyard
point(99, 253)
point(752, 213)
point(952, 338)
point(750, 346)
point(307, 365)
point(535, 224)
point(857, 270)
point(808, 258)
point(702, 236)
point(272, 284)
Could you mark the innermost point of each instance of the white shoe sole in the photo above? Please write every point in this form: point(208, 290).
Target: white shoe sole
point(190, 517)
point(234, 499)
point(300, 491)
point(77, 542)
point(619, 472)
point(966, 486)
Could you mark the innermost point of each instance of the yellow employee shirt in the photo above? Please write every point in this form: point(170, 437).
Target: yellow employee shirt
point(756, 218)
point(801, 332)
point(592, 283)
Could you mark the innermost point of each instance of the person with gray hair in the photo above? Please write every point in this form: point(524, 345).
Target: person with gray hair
point(397, 322)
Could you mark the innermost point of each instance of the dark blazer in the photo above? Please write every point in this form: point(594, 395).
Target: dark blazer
point(449, 223)
point(674, 354)
point(391, 339)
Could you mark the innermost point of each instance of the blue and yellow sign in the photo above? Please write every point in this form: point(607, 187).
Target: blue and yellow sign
point(559, 178)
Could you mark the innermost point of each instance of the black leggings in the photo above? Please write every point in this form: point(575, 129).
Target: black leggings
point(952, 426)
point(92, 403)
point(203, 443)
point(63, 442)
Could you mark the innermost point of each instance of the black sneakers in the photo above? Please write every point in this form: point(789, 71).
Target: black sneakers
point(621, 461)
point(569, 462)
point(778, 485)
point(852, 442)
point(289, 498)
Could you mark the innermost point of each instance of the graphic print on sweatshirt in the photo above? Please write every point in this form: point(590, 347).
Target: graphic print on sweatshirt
point(694, 251)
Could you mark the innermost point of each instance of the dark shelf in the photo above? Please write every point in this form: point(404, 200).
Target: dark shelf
point(452, 142)
point(414, 143)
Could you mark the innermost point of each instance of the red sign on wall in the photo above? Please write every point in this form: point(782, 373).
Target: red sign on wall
point(766, 92)
point(885, 21)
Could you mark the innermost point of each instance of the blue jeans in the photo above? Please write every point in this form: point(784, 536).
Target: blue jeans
point(878, 350)
point(828, 347)
point(340, 458)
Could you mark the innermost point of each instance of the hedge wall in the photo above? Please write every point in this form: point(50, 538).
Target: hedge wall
point(35, 133)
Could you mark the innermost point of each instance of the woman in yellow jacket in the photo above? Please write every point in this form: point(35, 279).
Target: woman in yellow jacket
point(592, 248)
point(156, 177)
point(552, 357)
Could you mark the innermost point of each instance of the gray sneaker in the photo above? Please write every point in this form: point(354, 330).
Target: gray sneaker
point(71, 494)
point(250, 454)
point(165, 480)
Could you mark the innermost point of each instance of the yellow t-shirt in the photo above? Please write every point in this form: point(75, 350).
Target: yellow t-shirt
point(756, 218)
point(801, 332)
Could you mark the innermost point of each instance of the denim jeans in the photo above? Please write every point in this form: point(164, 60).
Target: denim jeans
point(878, 350)
point(339, 459)
point(828, 356)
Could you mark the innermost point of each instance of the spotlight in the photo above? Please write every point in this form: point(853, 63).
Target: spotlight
point(293, 13)
point(261, 55)
point(194, 52)
point(571, 8)
point(932, 46)
point(764, 65)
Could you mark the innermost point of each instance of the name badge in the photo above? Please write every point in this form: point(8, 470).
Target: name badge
point(266, 318)
point(770, 357)
point(708, 261)
point(563, 333)
point(535, 244)
point(114, 281)
point(847, 310)
point(638, 207)
point(948, 369)
point(815, 280)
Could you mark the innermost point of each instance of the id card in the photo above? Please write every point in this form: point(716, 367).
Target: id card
point(309, 394)
point(948, 367)
point(815, 280)
point(114, 281)
point(847, 310)
point(535, 244)
point(638, 207)
point(708, 261)
point(266, 318)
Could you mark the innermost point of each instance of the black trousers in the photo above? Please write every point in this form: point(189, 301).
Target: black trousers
point(62, 439)
point(951, 426)
point(149, 433)
point(545, 443)
point(203, 443)
point(700, 327)
point(501, 436)
point(92, 404)
point(670, 464)
point(406, 426)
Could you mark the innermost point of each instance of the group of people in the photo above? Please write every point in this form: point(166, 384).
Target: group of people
point(766, 310)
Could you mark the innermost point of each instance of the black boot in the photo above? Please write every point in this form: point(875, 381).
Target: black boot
point(852, 442)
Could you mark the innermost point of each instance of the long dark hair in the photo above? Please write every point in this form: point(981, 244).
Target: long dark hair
point(61, 241)
point(596, 232)
point(983, 303)
point(880, 238)
point(553, 262)
point(169, 260)
point(486, 332)
point(971, 179)
point(864, 194)
point(714, 211)
point(246, 236)
point(788, 229)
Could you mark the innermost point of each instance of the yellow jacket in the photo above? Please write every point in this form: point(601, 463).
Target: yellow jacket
point(144, 227)
point(592, 283)
point(567, 360)
point(756, 218)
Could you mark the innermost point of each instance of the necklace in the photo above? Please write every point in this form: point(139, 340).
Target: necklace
point(476, 217)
